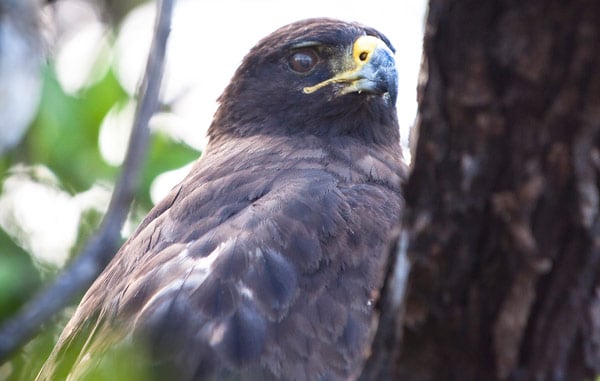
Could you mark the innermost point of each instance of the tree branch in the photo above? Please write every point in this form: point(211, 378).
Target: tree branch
point(102, 246)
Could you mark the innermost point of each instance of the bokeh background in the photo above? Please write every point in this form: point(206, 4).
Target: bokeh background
point(69, 70)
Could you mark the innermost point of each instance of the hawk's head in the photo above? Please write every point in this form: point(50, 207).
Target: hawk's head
point(318, 76)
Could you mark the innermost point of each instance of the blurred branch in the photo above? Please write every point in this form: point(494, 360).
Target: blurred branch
point(102, 246)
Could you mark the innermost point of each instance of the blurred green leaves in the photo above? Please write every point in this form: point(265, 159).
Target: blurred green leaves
point(18, 276)
point(64, 138)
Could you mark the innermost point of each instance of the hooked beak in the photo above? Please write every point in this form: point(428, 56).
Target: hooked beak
point(370, 68)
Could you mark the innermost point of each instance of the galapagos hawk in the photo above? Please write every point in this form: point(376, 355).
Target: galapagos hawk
point(265, 261)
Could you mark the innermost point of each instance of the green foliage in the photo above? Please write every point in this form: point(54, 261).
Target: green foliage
point(119, 363)
point(18, 277)
point(64, 138)
point(25, 365)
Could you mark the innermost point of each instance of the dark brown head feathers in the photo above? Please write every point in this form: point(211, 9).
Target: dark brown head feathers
point(265, 96)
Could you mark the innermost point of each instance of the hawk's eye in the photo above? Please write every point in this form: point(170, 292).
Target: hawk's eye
point(302, 61)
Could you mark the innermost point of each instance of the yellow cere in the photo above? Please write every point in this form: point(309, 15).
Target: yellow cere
point(362, 51)
point(364, 48)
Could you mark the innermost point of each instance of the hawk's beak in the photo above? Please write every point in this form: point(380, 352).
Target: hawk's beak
point(371, 69)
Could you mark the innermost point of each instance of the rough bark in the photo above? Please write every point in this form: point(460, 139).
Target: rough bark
point(502, 204)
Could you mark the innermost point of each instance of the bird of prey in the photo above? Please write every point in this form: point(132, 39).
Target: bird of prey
point(265, 261)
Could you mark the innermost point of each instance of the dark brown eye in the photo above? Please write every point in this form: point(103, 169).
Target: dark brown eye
point(302, 61)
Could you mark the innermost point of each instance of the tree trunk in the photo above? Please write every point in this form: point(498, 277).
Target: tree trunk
point(502, 205)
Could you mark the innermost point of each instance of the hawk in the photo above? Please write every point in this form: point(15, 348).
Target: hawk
point(265, 261)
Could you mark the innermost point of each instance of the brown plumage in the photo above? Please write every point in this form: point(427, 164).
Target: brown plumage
point(264, 261)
